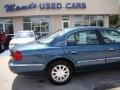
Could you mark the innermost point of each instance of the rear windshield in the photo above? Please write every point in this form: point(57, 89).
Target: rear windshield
point(49, 38)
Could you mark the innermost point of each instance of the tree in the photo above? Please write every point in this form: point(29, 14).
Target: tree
point(114, 21)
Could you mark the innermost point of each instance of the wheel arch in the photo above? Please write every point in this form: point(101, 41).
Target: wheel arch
point(61, 59)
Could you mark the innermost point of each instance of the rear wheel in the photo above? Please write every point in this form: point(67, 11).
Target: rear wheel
point(60, 72)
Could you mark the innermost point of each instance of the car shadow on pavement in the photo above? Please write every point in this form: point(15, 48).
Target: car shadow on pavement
point(95, 80)
point(29, 82)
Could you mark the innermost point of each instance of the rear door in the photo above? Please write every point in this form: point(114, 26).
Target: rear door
point(112, 45)
point(85, 48)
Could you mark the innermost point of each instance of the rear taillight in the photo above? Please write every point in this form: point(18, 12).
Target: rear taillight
point(16, 55)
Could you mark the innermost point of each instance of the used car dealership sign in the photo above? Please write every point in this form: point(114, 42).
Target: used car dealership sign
point(14, 7)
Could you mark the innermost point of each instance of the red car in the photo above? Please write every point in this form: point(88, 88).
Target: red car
point(3, 39)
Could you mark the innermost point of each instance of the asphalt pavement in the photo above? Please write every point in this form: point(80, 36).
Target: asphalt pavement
point(92, 80)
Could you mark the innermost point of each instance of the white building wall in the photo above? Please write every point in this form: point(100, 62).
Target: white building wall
point(17, 24)
point(103, 7)
point(106, 21)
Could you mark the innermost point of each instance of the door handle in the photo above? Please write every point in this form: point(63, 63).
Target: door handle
point(111, 49)
point(73, 52)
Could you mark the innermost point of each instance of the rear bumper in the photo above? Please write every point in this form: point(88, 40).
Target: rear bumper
point(26, 68)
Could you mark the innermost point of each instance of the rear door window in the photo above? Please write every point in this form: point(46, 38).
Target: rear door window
point(83, 37)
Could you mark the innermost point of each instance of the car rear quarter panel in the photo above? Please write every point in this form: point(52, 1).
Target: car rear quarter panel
point(43, 56)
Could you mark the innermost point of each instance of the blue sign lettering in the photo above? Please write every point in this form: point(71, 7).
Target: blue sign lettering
point(68, 5)
point(14, 7)
point(50, 5)
point(59, 5)
point(76, 5)
point(10, 7)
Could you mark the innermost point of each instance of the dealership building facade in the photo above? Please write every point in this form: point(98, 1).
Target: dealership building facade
point(50, 16)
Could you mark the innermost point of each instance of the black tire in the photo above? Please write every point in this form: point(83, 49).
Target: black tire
point(55, 64)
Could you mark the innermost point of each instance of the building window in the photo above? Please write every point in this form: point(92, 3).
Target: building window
point(84, 20)
point(27, 26)
point(99, 20)
point(38, 24)
point(81, 21)
point(65, 22)
point(92, 20)
point(7, 26)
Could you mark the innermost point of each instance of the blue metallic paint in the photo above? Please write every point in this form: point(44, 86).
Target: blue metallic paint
point(35, 54)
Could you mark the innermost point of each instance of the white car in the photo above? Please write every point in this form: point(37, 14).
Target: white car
point(22, 37)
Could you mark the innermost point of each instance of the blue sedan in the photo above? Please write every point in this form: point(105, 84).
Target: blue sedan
point(67, 51)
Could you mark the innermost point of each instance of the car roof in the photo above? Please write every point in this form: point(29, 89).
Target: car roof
point(86, 28)
point(83, 28)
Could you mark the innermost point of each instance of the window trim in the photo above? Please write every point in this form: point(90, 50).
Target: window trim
point(97, 35)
